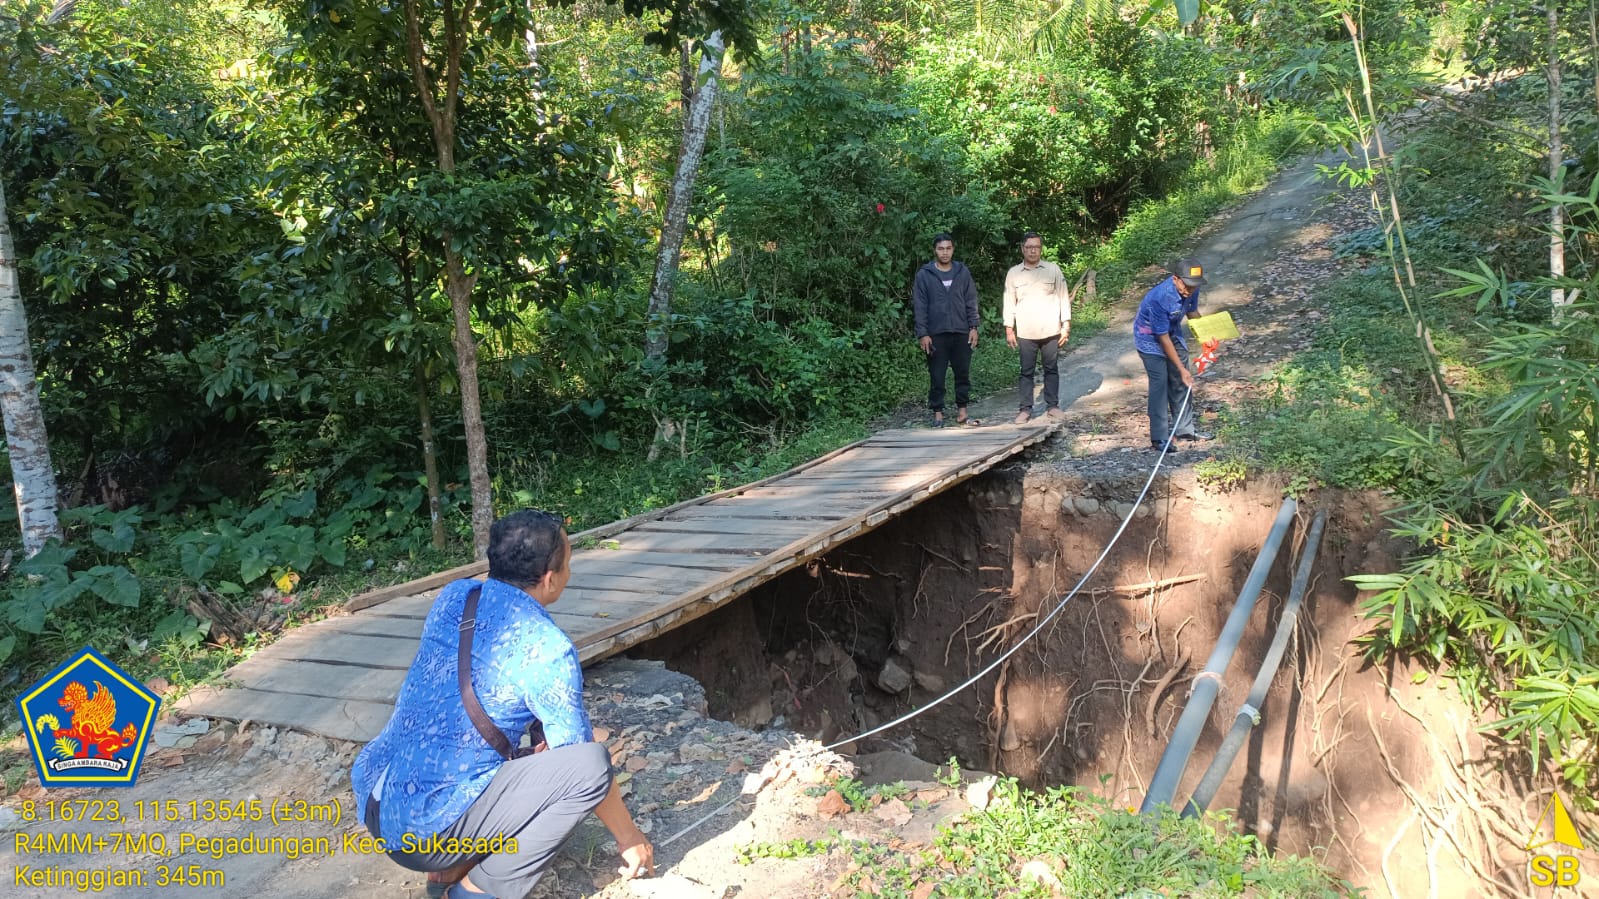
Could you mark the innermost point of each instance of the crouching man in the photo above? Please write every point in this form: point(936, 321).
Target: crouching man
point(445, 785)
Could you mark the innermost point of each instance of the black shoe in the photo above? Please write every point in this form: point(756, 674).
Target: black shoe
point(1196, 435)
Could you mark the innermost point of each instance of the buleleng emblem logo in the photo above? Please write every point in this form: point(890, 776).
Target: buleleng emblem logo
point(1550, 870)
point(87, 722)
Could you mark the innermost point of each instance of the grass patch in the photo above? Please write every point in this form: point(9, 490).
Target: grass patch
point(1067, 841)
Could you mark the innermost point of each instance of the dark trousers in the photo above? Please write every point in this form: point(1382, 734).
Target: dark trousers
point(952, 349)
point(1046, 350)
point(534, 802)
point(1166, 393)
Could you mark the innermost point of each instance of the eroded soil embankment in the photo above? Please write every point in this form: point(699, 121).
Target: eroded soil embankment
point(1342, 755)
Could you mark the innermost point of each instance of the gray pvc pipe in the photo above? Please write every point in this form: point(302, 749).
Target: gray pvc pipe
point(1206, 684)
point(1249, 715)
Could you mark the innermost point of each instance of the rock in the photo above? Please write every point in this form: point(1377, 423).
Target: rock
point(895, 812)
point(756, 714)
point(823, 654)
point(1040, 871)
point(932, 683)
point(847, 671)
point(893, 678)
point(1122, 509)
point(1086, 505)
point(699, 752)
point(980, 794)
point(172, 734)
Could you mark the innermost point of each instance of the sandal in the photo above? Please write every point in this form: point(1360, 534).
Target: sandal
point(939, 422)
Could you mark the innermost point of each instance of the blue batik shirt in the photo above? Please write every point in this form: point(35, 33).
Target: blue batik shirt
point(1162, 312)
point(432, 762)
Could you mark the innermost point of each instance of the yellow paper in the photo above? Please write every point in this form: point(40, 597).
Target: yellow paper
point(1219, 325)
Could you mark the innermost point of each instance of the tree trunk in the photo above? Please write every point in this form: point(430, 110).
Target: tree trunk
point(695, 124)
point(33, 475)
point(458, 284)
point(430, 457)
point(1557, 215)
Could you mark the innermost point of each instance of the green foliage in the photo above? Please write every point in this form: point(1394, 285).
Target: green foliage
point(1508, 602)
point(830, 190)
point(796, 848)
point(859, 796)
point(1072, 140)
point(1222, 474)
point(1508, 527)
point(128, 211)
point(1092, 849)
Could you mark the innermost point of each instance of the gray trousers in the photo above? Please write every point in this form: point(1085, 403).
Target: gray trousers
point(1033, 352)
point(536, 800)
point(1166, 394)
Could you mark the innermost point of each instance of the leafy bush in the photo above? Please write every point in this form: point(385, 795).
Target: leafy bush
point(1507, 523)
point(1072, 140)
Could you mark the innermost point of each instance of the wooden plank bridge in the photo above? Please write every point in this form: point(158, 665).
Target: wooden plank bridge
point(631, 580)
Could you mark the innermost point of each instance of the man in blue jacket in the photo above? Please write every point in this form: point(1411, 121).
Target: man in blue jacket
point(1163, 348)
point(945, 299)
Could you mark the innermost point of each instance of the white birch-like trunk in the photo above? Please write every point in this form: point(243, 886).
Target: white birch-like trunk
point(33, 476)
point(657, 329)
point(1557, 215)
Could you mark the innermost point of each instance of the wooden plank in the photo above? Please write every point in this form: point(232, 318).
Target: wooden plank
point(604, 559)
point(843, 466)
point(319, 679)
point(727, 544)
point(328, 645)
point(803, 484)
point(777, 507)
point(705, 524)
point(344, 719)
point(367, 625)
point(406, 606)
point(479, 568)
point(644, 583)
point(821, 522)
point(843, 483)
point(660, 574)
point(574, 616)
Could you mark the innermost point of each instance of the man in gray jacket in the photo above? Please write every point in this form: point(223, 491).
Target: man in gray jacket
point(945, 298)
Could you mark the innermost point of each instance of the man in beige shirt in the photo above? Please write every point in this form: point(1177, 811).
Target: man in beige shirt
point(1038, 321)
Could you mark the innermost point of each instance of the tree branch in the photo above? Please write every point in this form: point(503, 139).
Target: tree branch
point(424, 88)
